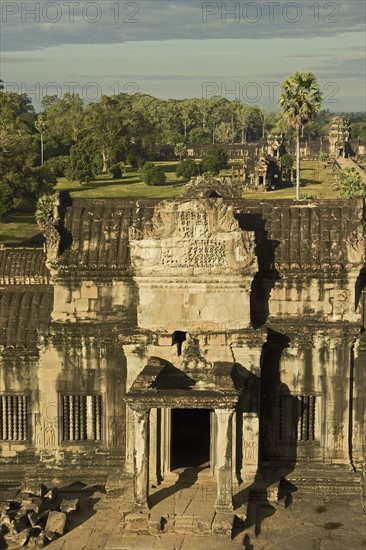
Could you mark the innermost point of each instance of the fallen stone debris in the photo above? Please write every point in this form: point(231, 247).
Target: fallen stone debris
point(33, 520)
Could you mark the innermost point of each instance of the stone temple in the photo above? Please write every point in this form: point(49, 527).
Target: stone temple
point(154, 335)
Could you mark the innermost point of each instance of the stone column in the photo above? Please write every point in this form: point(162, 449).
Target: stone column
point(165, 442)
point(213, 442)
point(224, 518)
point(141, 457)
point(224, 459)
point(153, 449)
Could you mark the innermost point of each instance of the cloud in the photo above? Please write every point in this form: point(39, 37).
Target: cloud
point(165, 20)
point(13, 59)
point(305, 55)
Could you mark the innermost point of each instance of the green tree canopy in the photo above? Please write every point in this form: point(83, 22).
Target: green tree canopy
point(225, 132)
point(214, 160)
point(287, 161)
point(200, 136)
point(64, 124)
point(44, 210)
point(151, 174)
point(351, 184)
point(180, 150)
point(21, 179)
point(187, 169)
point(358, 131)
point(81, 167)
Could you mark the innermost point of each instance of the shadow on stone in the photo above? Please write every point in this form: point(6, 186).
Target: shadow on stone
point(360, 285)
point(247, 544)
point(277, 439)
point(278, 444)
point(264, 280)
point(187, 478)
point(172, 378)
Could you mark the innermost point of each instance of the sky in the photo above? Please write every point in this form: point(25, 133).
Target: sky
point(185, 48)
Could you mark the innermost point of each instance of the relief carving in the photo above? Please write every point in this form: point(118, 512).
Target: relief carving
point(192, 234)
point(356, 246)
point(341, 302)
point(39, 434)
point(250, 450)
point(116, 429)
point(45, 433)
point(53, 242)
point(50, 435)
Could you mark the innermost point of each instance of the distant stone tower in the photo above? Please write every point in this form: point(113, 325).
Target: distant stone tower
point(339, 136)
point(275, 145)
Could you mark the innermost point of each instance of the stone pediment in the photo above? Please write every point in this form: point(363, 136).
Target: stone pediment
point(205, 187)
point(194, 236)
point(161, 384)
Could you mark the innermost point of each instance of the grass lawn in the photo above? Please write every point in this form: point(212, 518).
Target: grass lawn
point(128, 187)
point(316, 181)
point(20, 227)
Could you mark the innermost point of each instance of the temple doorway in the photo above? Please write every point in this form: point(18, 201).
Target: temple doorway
point(190, 438)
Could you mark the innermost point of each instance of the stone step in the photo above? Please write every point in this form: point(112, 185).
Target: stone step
point(202, 524)
point(137, 522)
point(183, 523)
point(57, 477)
point(346, 483)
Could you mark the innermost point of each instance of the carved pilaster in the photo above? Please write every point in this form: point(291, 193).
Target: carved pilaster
point(250, 446)
point(224, 459)
point(224, 518)
point(140, 418)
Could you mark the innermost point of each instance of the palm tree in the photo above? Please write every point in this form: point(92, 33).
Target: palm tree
point(41, 125)
point(300, 101)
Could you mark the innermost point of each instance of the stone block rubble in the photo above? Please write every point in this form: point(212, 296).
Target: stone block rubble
point(34, 518)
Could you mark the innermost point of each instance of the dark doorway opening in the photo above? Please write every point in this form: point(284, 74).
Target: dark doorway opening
point(190, 438)
point(214, 195)
point(178, 338)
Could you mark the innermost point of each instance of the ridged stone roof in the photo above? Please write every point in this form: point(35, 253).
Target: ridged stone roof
point(317, 235)
point(99, 232)
point(24, 311)
point(314, 235)
point(19, 266)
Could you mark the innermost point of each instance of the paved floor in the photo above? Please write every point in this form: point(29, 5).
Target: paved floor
point(308, 521)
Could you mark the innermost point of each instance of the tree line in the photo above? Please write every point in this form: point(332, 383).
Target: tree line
point(78, 140)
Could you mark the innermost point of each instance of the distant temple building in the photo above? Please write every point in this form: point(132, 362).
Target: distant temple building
point(154, 335)
point(339, 137)
point(337, 144)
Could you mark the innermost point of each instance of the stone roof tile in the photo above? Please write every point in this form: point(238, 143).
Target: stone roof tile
point(18, 266)
point(316, 235)
point(23, 312)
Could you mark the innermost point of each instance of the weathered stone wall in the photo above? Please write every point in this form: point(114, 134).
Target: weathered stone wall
point(273, 287)
point(90, 300)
